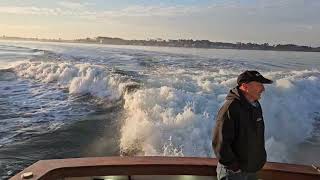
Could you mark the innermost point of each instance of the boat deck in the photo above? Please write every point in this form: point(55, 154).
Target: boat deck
point(152, 168)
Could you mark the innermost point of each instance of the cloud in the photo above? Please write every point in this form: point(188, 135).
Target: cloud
point(270, 8)
point(298, 12)
point(233, 20)
point(140, 11)
point(19, 10)
point(158, 11)
point(73, 5)
point(80, 10)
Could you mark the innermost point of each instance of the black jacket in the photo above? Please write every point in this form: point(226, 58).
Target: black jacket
point(238, 136)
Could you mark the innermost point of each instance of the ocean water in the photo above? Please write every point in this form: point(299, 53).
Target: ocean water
point(60, 100)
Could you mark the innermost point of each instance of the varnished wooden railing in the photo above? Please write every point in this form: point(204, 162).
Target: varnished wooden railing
point(104, 166)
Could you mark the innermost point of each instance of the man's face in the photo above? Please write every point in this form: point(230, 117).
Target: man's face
point(254, 90)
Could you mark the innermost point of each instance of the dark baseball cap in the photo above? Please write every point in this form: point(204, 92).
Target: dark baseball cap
point(249, 76)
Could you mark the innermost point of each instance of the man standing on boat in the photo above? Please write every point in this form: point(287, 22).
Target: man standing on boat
point(238, 136)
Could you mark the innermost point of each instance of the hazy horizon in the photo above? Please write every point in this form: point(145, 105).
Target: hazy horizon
point(147, 39)
point(256, 21)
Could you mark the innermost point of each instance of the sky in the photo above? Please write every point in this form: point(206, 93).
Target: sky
point(258, 21)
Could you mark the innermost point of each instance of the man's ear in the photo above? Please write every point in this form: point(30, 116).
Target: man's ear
point(244, 87)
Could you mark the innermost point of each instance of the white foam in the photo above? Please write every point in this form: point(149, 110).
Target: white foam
point(277, 151)
point(284, 83)
point(77, 78)
point(170, 121)
point(290, 106)
point(156, 114)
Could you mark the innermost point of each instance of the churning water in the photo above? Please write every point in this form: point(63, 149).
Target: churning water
point(73, 100)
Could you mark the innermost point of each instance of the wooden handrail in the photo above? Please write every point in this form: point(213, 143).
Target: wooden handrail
point(104, 166)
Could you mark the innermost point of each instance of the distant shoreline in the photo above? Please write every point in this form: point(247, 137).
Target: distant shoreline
point(184, 43)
